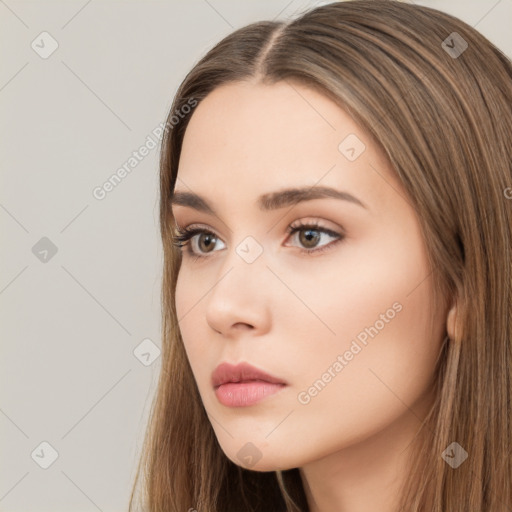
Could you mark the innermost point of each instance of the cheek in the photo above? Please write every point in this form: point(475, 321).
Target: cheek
point(185, 304)
point(190, 289)
point(181, 297)
point(382, 358)
point(190, 296)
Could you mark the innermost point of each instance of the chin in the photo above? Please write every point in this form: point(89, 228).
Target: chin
point(249, 456)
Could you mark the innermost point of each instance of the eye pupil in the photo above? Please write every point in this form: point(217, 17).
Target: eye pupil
point(209, 241)
point(309, 237)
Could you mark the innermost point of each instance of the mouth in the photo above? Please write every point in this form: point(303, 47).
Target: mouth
point(243, 385)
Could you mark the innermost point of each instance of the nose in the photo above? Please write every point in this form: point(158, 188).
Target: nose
point(240, 298)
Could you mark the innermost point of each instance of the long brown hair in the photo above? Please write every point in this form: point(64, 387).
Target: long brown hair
point(439, 104)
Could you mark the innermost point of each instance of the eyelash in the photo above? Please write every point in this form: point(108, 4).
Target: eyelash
point(184, 235)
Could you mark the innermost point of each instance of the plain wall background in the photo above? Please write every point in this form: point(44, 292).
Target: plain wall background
point(70, 321)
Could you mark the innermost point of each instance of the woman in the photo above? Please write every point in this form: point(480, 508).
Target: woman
point(337, 226)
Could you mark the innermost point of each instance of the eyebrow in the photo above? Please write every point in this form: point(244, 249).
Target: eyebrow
point(270, 201)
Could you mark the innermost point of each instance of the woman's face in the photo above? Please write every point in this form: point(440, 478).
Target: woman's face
point(338, 311)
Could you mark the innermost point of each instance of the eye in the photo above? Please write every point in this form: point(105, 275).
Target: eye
point(199, 241)
point(310, 234)
point(193, 238)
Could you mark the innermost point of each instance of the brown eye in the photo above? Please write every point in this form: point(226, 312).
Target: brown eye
point(206, 241)
point(197, 241)
point(200, 241)
point(309, 238)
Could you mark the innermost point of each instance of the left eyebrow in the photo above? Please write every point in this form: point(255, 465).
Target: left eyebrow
point(270, 201)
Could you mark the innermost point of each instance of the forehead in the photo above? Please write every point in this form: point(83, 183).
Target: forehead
point(246, 138)
point(244, 119)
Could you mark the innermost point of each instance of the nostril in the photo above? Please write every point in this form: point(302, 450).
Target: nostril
point(241, 325)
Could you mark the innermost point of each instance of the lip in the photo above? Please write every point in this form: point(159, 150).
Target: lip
point(243, 384)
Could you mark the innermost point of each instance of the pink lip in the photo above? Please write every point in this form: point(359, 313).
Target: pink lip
point(243, 385)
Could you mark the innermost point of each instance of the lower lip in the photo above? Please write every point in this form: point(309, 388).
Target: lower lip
point(242, 394)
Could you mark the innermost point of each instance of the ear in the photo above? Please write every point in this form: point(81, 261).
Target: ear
point(451, 322)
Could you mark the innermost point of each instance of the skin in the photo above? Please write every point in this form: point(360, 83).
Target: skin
point(291, 314)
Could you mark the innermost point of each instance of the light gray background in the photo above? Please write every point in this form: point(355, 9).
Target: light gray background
point(70, 323)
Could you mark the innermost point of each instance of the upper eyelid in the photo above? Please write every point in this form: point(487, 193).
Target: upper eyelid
point(291, 226)
point(306, 221)
point(193, 230)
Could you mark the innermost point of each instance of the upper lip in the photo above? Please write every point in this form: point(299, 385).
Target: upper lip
point(243, 372)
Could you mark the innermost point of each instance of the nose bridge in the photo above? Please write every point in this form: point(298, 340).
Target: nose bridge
point(244, 267)
point(241, 293)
